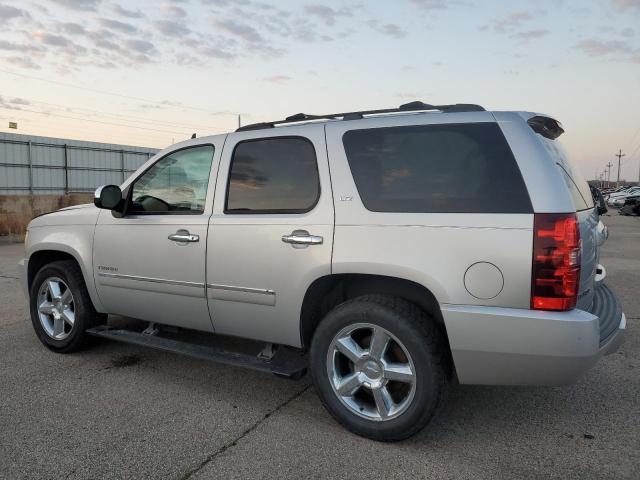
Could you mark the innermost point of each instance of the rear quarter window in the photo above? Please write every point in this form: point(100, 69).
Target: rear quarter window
point(576, 184)
point(449, 168)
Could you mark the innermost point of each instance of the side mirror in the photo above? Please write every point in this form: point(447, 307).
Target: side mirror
point(599, 201)
point(602, 209)
point(108, 197)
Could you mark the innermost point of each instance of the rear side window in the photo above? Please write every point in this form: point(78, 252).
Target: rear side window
point(451, 168)
point(273, 175)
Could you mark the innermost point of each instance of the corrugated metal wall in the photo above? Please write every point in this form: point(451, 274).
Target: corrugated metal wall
point(43, 165)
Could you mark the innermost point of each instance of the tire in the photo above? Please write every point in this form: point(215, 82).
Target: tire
point(415, 341)
point(47, 309)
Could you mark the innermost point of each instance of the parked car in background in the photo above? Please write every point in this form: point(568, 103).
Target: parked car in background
point(617, 199)
point(389, 251)
point(631, 206)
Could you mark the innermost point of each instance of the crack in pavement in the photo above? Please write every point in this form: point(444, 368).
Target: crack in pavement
point(234, 442)
point(9, 276)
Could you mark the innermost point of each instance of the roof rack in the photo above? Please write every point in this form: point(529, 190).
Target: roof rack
point(407, 107)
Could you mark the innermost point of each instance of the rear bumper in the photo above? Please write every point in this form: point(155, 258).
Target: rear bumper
point(507, 346)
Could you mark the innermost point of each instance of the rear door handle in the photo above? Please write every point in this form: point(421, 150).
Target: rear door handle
point(183, 236)
point(302, 237)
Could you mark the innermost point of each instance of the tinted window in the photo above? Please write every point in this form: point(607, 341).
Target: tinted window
point(456, 168)
point(273, 175)
point(176, 183)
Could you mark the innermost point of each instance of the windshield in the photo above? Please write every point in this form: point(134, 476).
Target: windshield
point(577, 185)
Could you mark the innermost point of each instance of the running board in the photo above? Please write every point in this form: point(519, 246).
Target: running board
point(285, 363)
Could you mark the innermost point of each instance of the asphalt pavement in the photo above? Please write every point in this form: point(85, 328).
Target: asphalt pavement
point(121, 411)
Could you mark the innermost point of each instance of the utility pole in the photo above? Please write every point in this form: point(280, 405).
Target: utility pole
point(239, 125)
point(609, 165)
point(619, 155)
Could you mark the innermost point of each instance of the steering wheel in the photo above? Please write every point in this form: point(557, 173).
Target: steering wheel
point(150, 203)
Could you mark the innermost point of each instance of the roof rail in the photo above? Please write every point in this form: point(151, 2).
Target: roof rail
point(407, 107)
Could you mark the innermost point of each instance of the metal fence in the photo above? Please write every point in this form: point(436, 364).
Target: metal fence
point(43, 165)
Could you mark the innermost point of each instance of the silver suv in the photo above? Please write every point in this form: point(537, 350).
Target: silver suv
point(390, 251)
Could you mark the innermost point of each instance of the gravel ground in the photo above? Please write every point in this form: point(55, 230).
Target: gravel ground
point(120, 411)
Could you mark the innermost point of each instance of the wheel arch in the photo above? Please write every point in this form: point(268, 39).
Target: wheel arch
point(52, 253)
point(328, 291)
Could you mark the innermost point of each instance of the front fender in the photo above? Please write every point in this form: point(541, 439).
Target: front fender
point(75, 240)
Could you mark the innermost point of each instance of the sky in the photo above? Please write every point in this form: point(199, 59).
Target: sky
point(151, 73)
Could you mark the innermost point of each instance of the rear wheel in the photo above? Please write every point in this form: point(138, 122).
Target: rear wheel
point(61, 309)
point(377, 363)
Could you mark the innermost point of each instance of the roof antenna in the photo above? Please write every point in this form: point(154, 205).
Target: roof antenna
point(193, 136)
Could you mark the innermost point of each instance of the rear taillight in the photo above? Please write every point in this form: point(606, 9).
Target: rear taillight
point(556, 261)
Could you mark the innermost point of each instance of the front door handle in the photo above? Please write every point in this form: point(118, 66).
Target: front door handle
point(302, 237)
point(183, 236)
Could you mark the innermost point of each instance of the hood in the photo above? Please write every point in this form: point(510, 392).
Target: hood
point(85, 214)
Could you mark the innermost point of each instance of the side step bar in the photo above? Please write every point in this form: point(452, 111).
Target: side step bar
point(284, 363)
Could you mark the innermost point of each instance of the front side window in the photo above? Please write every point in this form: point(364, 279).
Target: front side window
point(273, 175)
point(448, 168)
point(176, 183)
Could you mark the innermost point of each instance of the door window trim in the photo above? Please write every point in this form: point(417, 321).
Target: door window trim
point(226, 211)
point(129, 188)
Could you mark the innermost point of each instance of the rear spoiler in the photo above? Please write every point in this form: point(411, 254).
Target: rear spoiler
point(546, 126)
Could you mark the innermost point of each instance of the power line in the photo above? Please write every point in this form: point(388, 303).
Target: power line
point(98, 121)
point(104, 92)
point(633, 138)
point(123, 117)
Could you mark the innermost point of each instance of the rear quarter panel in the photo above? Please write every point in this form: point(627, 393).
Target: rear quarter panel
point(432, 249)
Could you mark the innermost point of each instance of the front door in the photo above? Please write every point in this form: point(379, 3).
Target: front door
point(271, 232)
point(149, 264)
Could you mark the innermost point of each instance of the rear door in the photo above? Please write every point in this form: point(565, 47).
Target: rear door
point(271, 232)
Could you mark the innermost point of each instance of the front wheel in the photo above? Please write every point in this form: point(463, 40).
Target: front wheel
point(378, 365)
point(61, 309)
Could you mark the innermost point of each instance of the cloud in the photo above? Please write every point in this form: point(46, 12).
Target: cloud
point(71, 28)
point(628, 32)
point(241, 30)
point(173, 10)
point(277, 78)
point(8, 12)
point(140, 46)
point(430, 4)
point(327, 14)
point(13, 103)
point(51, 39)
point(171, 28)
point(217, 52)
point(107, 44)
point(508, 23)
point(530, 34)
point(187, 60)
point(23, 62)
point(118, 25)
point(624, 5)
point(613, 49)
point(87, 5)
point(389, 29)
point(123, 12)
point(19, 47)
